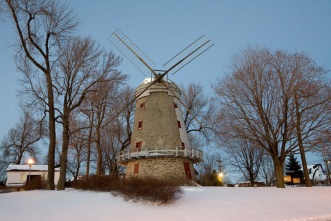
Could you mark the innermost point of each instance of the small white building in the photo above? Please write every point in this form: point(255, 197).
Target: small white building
point(17, 175)
point(316, 172)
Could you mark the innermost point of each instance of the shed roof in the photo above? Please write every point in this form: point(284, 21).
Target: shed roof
point(14, 167)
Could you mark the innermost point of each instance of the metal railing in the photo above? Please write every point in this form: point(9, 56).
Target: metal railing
point(149, 152)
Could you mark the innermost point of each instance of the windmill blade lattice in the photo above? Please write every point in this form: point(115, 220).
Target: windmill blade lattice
point(195, 49)
point(132, 52)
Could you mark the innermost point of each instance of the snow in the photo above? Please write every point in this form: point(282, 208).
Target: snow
point(12, 167)
point(197, 203)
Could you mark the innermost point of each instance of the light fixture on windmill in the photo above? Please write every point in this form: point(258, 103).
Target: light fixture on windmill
point(159, 144)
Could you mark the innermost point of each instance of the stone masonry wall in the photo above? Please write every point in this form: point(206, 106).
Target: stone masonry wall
point(171, 169)
point(159, 119)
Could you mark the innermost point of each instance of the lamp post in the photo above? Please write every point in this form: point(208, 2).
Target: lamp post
point(30, 162)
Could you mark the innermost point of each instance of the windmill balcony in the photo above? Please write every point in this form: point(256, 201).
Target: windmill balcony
point(148, 152)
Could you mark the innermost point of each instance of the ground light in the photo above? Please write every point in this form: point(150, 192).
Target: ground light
point(30, 162)
point(220, 177)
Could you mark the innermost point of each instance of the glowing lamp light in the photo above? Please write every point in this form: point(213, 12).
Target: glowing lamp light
point(30, 162)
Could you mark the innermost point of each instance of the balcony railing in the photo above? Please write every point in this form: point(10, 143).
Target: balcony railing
point(149, 152)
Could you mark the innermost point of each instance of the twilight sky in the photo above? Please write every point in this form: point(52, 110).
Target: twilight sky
point(163, 28)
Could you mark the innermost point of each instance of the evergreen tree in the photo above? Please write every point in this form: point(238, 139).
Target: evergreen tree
point(293, 168)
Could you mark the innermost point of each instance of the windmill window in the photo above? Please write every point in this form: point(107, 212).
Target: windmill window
point(136, 168)
point(139, 145)
point(183, 145)
point(142, 105)
point(179, 125)
point(175, 105)
point(140, 125)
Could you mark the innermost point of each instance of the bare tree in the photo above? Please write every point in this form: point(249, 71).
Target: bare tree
point(77, 147)
point(257, 102)
point(124, 121)
point(246, 157)
point(312, 101)
point(88, 112)
point(199, 112)
point(42, 26)
point(22, 140)
point(100, 108)
point(115, 130)
point(121, 126)
point(267, 170)
point(81, 67)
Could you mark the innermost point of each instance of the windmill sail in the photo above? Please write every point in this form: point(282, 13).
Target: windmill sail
point(132, 52)
point(195, 49)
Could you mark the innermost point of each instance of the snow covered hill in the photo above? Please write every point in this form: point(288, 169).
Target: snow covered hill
point(197, 204)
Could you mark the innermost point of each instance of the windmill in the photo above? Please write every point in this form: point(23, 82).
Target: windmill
point(159, 144)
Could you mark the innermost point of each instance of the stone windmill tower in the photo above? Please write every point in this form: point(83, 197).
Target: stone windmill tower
point(159, 145)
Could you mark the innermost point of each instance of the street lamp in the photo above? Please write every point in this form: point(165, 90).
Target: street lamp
point(30, 162)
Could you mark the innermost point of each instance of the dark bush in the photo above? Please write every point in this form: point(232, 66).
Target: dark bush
point(35, 184)
point(146, 190)
point(94, 183)
point(150, 190)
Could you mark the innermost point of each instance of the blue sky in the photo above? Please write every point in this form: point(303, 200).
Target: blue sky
point(163, 28)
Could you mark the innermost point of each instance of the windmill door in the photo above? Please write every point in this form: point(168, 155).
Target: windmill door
point(139, 145)
point(187, 171)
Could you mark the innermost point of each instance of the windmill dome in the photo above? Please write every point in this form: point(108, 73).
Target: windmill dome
point(158, 87)
point(159, 144)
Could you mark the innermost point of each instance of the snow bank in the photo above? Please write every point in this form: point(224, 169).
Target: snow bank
point(198, 203)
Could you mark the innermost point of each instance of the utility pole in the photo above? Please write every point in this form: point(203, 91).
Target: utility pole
point(219, 161)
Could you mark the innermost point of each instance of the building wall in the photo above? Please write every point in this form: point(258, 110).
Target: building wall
point(18, 178)
point(169, 169)
point(162, 127)
point(159, 127)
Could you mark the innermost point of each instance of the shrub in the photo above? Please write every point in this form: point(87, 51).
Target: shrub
point(143, 190)
point(150, 190)
point(35, 184)
point(94, 183)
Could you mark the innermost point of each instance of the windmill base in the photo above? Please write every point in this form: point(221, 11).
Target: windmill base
point(179, 171)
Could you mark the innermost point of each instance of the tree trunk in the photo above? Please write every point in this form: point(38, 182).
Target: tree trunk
point(251, 177)
point(64, 153)
point(304, 165)
point(52, 134)
point(300, 143)
point(19, 158)
point(99, 152)
point(114, 170)
point(327, 172)
point(87, 173)
point(279, 167)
